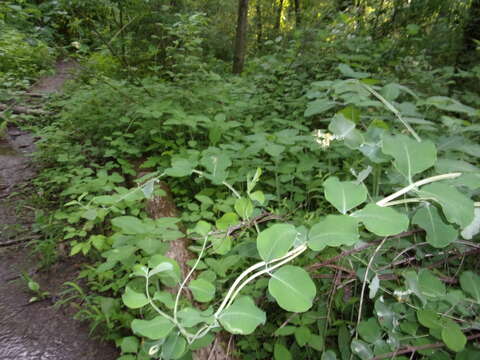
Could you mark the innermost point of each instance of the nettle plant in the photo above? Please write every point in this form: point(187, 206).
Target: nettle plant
point(434, 203)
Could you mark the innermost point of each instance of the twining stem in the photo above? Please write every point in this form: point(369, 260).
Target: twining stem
point(254, 267)
point(294, 253)
point(416, 184)
point(393, 110)
point(362, 294)
point(179, 292)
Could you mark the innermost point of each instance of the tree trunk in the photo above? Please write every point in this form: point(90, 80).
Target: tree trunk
point(472, 27)
point(279, 16)
point(259, 21)
point(241, 37)
point(298, 13)
point(164, 206)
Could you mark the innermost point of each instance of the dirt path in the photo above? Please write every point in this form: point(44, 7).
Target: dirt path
point(35, 331)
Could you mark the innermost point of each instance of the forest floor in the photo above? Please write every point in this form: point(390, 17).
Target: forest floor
point(38, 330)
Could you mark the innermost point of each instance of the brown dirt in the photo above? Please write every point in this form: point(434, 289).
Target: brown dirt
point(35, 331)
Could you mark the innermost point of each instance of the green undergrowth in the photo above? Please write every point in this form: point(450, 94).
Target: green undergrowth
point(354, 190)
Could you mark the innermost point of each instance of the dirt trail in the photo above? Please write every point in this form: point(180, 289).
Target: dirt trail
point(35, 331)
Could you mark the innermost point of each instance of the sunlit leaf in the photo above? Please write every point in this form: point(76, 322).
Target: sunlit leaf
point(292, 288)
point(457, 207)
point(382, 221)
point(344, 195)
point(275, 241)
point(202, 290)
point(242, 317)
point(133, 299)
point(334, 230)
point(470, 283)
point(157, 328)
point(410, 156)
point(453, 336)
point(439, 234)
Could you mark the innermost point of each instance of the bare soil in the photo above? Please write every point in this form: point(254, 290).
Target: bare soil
point(37, 331)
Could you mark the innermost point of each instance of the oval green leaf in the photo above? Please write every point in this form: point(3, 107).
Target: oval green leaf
point(334, 230)
point(157, 328)
point(453, 336)
point(202, 290)
point(292, 288)
point(410, 156)
point(344, 195)
point(275, 241)
point(382, 221)
point(439, 234)
point(242, 317)
point(133, 299)
point(457, 208)
point(470, 283)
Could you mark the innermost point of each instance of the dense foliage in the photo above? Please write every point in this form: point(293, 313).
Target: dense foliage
point(330, 194)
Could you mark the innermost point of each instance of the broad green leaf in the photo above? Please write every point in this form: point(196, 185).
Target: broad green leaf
point(129, 344)
point(369, 330)
point(382, 221)
point(133, 299)
point(169, 277)
point(275, 241)
point(318, 106)
point(129, 225)
point(221, 245)
point(157, 328)
point(190, 317)
point(344, 129)
point(439, 234)
point(470, 283)
point(152, 245)
point(285, 330)
point(411, 283)
point(334, 230)
point(386, 317)
point(344, 195)
point(316, 342)
point(280, 352)
point(227, 220)
point(202, 290)
point(429, 319)
point(292, 288)
point(174, 347)
point(457, 207)
point(181, 167)
point(273, 149)
point(244, 208)
point(302, 335)
point(430, 285)
point(453, 336)
point(410, 156)
point(165, 298)
point(361, 349)
point(216, 162)
point(242, 317)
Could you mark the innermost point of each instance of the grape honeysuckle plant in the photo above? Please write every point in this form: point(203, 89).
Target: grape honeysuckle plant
point(170, 333)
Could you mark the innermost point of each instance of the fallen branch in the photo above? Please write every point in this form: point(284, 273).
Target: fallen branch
point(413, 349)
point(18, 241)
point(16, 109)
